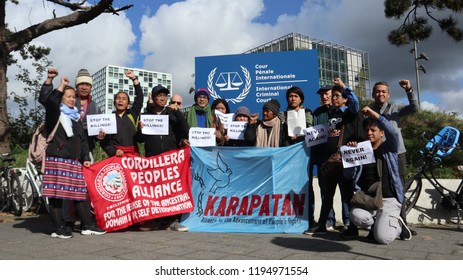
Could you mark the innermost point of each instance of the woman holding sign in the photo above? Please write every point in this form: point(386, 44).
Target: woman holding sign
point(343, 125)
point(297, 116)
point(126, 119)
point(202, 115)
point(67, 151)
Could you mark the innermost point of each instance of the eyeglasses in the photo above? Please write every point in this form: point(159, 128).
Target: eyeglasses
point(336, 96)
point(176, 102)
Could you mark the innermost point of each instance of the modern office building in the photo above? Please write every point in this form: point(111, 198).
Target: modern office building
point(334, 60)
point(111, 79)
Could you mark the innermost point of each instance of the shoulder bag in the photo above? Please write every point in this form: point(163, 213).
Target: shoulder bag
point(333, 165)
point(372, 199)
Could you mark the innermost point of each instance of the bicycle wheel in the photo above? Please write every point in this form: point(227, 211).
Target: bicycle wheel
point(17, 195)
point(28, 194)
point(412, 192)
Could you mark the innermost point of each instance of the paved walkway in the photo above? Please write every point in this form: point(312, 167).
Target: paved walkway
point(28, 237)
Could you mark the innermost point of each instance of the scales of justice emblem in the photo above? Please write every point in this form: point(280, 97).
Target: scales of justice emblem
point(230, 81)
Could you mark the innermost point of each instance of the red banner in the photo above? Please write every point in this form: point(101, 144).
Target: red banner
point(128, 190)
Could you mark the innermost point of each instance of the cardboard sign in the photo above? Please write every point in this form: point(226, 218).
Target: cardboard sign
point(316, 135)
point(101, 122)
point(202, 137)
point(155, 124)
point(296, 122)
point(353, 156)
point(236, 130)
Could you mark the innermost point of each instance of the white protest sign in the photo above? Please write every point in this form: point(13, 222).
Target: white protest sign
point(225, 119)
point(353, 156)
point(155, 124)
point(104, 122)
point(296, 122)
point(236, 130)
point(202, 137)
point(315, 135)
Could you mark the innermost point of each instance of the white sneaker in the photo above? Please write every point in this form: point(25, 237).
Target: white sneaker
point(92, 230)
point(176, 226)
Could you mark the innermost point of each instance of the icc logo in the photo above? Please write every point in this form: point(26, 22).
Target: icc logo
point(230, 81)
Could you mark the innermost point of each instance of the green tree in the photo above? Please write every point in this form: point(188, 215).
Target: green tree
point(19, 41)
point(415, 14)
point(23, 125)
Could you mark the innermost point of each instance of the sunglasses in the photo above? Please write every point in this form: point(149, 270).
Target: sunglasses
point(176, 102)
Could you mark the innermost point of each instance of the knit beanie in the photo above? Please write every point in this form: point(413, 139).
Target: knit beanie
point(297, 91)
point(273, 105)
point(243, 110)
point(158, 89)
point(202, 91)
point(83, 76)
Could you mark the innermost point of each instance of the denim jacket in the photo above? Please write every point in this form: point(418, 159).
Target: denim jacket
point(389, 150)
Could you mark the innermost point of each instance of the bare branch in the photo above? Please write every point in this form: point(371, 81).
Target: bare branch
point(80, 16)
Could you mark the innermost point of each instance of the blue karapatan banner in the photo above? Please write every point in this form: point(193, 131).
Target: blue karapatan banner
point(249, 189)
point(252, 79)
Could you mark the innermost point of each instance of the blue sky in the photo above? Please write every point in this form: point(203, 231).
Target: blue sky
point(166, 36)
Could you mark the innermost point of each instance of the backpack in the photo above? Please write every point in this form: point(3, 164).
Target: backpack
point(39, 143)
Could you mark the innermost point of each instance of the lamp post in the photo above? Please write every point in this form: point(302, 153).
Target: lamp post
point(418, 68)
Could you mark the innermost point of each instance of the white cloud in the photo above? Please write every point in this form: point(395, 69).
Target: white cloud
point(175, 34)
point(106, 40)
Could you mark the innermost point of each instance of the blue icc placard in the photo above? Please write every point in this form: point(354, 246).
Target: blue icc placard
point(252, 79)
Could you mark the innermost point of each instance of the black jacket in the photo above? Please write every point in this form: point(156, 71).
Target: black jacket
point(157, 144)
point(74, 147)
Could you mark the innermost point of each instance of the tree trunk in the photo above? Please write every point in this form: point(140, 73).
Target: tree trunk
point(4, 123)
point(15, 41)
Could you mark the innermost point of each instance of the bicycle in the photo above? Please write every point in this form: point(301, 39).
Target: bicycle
point(11, 194)
point(439, 146)
point(32, 188)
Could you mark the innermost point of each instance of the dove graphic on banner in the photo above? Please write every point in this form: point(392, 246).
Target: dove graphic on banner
point(221, 174)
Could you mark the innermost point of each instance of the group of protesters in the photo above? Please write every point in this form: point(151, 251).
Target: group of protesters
point(339, 110)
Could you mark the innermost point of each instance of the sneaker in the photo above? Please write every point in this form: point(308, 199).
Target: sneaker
point(330, 228)
point(320, 230)
point(350, 232)
point(406, 234)
point(62, 233)
point(311, 230)
point(92, 230)
point(177, 226)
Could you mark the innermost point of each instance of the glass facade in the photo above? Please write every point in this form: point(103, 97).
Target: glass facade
point(111, 80)
point(334, 60)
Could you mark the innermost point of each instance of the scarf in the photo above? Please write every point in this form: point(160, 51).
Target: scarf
point(264, 139)
point(195, 109)
point(66, 117)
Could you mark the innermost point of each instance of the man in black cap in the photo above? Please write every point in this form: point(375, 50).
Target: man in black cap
point(270, 132)
point(157, 144)
point(318, 156)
